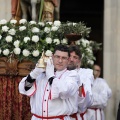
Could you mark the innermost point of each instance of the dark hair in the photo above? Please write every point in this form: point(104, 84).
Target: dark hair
point(75, 49)
point(97, 65)
point(63, 48)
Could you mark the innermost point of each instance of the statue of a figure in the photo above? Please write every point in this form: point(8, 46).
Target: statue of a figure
point(31, 9)
point(15, 9)
point(51, 10)
point(57, 11)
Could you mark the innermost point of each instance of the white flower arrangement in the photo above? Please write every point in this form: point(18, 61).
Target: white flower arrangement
point(27, 40)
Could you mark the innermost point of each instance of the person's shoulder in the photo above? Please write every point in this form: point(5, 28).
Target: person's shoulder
point(100, 79)
point(86, 70)
point(72, 72)
point(86, 73)
point(103, 83)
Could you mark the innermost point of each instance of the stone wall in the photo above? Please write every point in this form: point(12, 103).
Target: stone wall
point(5, 9)
point(111, 54)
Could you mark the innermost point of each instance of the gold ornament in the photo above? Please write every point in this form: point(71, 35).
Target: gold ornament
point(42, 61)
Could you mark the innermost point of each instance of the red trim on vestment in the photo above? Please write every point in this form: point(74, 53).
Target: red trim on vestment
point(51, 117)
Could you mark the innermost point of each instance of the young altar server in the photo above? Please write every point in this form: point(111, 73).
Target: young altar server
point(101, 94)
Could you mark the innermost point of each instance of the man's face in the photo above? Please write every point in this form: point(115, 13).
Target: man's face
point(74, 61)
point(60, 60)
point(96, 71)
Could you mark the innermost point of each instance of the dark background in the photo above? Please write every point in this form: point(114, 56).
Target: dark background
point(91, 12)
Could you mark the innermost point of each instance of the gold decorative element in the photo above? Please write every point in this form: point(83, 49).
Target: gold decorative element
point(48, 11)
point(13, 67)
point(42, 61)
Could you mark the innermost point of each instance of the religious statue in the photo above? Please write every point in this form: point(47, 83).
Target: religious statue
point(49, 9)
point(15, 9)
point(37, 10)
point(57, 11)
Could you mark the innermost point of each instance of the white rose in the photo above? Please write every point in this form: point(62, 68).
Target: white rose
point(91, 42)
point(84, 42)
point(64, 41)
point(2, 22)
point(26, 52)
point(48, 40)
point(8, 38)
point(5, 28)
point(83, 55)
point(46, 29)
point(35, 38)
point(48, 53)
point(74, 24)
point(17, 51)
point(22, 28)
point(54, 28)
point(41, 24)
point(16, 43)
point(22, 21)
point(13, 21)
point(0, 37)
point(77, 42)
point(57, 41)
point(89, 50)
point(32, 22)
point(57, 23)
point(69, 24)
point(35, 53)
point(6, 52)
point(26, 39)
point(35, 30)
point(91, 62)
point(12, 31)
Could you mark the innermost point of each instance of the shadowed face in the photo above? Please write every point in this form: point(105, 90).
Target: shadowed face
point(60, 60)
point(74, 61)
point(96, 71)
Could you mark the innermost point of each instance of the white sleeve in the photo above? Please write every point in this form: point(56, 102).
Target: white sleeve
point(90, 75)
point(33, 89)
point(22, 88)
point(65, 87)
point(101, 94)
point(84, 102)
point(86, 76)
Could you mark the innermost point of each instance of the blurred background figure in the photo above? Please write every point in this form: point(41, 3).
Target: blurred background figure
point(96, 71)
point(85, 79)
point(101, 94)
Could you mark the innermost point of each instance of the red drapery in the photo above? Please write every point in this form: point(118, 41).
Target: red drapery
point(13, 105)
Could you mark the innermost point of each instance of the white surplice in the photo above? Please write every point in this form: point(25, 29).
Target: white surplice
point(58, 99)
point(86, 79)
point(101, 94)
